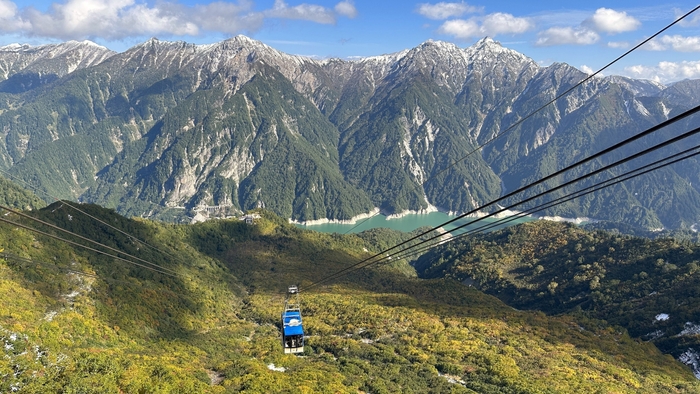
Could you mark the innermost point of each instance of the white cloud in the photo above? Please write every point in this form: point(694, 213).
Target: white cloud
point(229, 18)
point(604, 20)
point(587, 69)
point(490, 25)
point(307, 12)
point(443, 10)
point(566, 35)
point(654, 45)
point(346, 8)
point(682, 44)
point(618, 44)
point(110, 19)
point(676, 42)
point(611, 21)
point(590, 71)
point(8, 9)
point(119, 19)
point(460, 28)
point(500, 23)
point(666, 72)
point(9, 18)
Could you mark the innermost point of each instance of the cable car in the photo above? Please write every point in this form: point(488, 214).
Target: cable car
point(292, 330)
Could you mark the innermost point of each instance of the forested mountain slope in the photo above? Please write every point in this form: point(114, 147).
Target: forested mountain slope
point(16, 197)
point(648, 287)
point(169, 129)
point(71, 319)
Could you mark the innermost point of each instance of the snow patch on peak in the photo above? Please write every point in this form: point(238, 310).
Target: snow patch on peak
point(489, 51)
point(384, 59)
point(244, 38)
point(92, 44)
point(488, 44)
point(88, 43)
point(487, 41)
point(14, 47)
point(438, 44)
point(246, 41)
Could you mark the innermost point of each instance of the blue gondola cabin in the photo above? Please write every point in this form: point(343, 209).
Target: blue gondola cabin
point(292, 329)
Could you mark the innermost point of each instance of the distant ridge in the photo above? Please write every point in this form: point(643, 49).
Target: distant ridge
point(165, 127)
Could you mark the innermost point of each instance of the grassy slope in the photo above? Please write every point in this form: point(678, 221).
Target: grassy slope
point(376, 331)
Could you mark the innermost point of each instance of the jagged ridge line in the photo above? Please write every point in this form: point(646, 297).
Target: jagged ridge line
point(511, 127)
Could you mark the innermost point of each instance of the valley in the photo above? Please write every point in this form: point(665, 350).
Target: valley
point(169, 130)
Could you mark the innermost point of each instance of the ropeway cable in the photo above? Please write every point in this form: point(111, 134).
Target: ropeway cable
point(541, 180)
point(561, 186)
point(85, 247)
point(521, 189)
point(130, 236)
point(84, 238)
point(580, 193)
point(520, 121)
point(24, 261)
point(560, 200)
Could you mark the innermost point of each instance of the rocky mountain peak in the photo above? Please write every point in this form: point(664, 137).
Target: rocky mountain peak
point(154, 43)
point(151, 42)
point(486, 49)
point(84, 44)
point(50, 59)
point(254, 48)
point(238, 42)
point(14, 47)
point(244, 40)
point(488, 43)
point(639, 87)
point(437, 45)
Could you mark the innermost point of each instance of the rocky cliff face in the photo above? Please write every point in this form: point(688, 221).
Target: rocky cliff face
point(237, 124)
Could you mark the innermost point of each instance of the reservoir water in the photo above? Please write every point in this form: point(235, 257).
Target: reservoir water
point(409, 223)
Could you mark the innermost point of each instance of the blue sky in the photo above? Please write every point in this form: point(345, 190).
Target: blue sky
point(586, 35)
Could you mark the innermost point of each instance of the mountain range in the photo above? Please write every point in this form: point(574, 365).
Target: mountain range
point(169, 129)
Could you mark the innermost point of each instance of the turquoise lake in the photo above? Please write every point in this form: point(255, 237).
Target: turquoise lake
point(409, 223)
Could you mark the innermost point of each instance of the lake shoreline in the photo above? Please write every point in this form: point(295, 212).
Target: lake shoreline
point(410, 220)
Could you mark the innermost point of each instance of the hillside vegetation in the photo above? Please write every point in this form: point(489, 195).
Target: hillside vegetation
point(649, 287)
point(213, 326)
point(14, 196)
